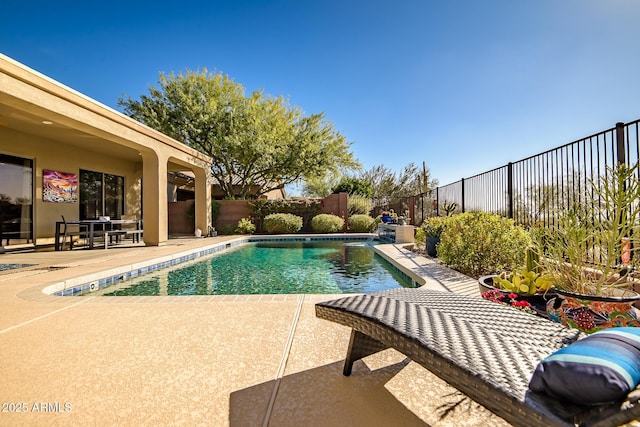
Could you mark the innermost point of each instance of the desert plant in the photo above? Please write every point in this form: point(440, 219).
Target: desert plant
point(527, 281)
point(583, 251)
point(523, 282)
point(433, 227)
point(245, 226)
point(431, 230)
point(361, 223)
point(327, 223)
point(479, 243)
point(449, 208)
point(358, 205)
point(282, 223)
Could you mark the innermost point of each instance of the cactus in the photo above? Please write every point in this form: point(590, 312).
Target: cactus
point(527, 281)
point(532, 260)
point(449, 208)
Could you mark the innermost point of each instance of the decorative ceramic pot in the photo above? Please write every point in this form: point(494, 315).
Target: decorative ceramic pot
point(591, 313)
point(432, 243)
point(538, 302)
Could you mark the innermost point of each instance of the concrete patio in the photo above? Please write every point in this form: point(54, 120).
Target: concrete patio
point(201, 360)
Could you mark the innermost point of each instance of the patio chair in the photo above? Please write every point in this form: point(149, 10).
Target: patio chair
point(131, 229)
point(81, 233)
point(486, 350)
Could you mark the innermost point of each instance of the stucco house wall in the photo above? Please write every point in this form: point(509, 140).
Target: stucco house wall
point(83, 134)
point(53, 155)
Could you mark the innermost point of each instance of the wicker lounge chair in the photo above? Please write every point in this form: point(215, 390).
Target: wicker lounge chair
point(486, 350)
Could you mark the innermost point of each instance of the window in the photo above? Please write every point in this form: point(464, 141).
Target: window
point(16, 200)
point(101, 194)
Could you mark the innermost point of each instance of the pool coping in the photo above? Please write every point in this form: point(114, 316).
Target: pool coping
point(78, 272)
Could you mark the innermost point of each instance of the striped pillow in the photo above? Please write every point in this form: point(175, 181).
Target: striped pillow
point(603, 367)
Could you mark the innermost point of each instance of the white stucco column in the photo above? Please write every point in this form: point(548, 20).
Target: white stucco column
point(203, 200)
point(154, 197)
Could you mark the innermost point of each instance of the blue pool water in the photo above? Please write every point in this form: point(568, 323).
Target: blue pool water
point(320, 267)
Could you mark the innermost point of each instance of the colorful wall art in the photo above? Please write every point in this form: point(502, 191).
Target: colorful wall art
point(59, 187)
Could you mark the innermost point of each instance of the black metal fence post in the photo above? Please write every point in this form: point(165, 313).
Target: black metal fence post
point(620, 145)
point(462, 195)
point(621, 159)
point(510, 190)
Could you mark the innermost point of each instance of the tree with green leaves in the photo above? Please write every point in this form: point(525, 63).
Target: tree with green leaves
point(389, 186)
point(256, 141)
point(354, 186)
point(320, 186)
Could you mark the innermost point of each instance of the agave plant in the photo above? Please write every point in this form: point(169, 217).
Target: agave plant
point(523, 282)
point(526, 281)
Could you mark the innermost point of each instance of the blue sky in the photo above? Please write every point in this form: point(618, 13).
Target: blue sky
point(464, 85)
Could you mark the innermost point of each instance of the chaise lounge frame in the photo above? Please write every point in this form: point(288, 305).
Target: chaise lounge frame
point(486, 350)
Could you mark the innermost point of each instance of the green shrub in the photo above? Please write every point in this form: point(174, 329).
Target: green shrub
point(227, 229)
point(420, 237)
point(302, 207)
point(361, 223)
point(434, 226)
point(245, 226)
point(353, 185)
point(358, 205)
point(479, 243)
point(281, 223)
point(327, 223)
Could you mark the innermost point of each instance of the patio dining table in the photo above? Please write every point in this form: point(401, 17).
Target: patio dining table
point(94, 226)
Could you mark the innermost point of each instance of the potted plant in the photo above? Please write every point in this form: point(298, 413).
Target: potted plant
point(432, 229)
point(525, 287)
point(394, 216)
point(385, 217)
point(584, 252)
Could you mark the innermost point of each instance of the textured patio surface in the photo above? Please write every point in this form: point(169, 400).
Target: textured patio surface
point(200, 360)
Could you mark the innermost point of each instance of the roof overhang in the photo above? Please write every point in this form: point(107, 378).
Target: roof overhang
point(35, 104)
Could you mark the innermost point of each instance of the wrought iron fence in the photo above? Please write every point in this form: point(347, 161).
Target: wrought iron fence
point(532, 191)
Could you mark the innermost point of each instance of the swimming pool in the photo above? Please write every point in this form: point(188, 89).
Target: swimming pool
point(273, 267)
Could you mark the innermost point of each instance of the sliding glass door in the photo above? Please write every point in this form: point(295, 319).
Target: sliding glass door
point(101, 194)
point(16, 200)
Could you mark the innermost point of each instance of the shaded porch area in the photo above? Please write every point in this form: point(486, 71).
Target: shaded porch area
point(64, 154)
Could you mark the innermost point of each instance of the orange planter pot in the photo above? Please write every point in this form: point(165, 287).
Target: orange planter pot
point(590, 313)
